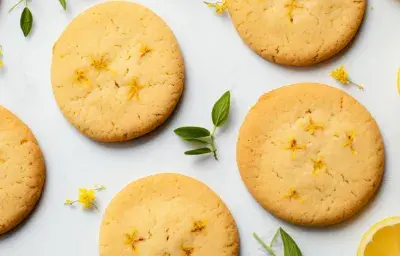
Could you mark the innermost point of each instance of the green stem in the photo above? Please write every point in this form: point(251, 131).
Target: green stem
point(212, 144)
point(264, 245)
point(274, 238)
point(15, 5)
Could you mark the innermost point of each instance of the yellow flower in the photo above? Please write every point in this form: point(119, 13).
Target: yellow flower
point(398, 80)
point(341, 75)
point(144, 49)
point(219, 7)
point(69, 202)
point(294, 146)
point(319, 164)
point(87, 198)
point(293, 194)
point(133, 239)
point(350, 137)
point(312, 127)
point(1, 55)
point(101, 64)
point(135, 88)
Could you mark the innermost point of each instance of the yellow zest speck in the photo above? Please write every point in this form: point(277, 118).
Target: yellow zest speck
point(398, 80)
point(292, 5)
point(293, 194)
point(219, 7)
point(294, 147)
point(198, 226)
point(133, 239)
point(100, 64)
point(350, 137)
point(319, 164)
point(341, 75)
point(144, 49)
point(135, 88)
point(312, 127)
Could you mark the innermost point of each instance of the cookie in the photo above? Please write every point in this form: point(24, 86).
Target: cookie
point(166, 215)
point(296, 32)
point(22, 171)
point(310, 154)
point(117, 71)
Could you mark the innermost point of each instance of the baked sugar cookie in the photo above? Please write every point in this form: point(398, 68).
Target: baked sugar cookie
point(22, 171)
point(166, 215)
point(117, 71)
point(310, 154)
point(296, 32)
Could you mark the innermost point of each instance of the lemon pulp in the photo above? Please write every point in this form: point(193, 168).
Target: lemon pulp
point(385, 242)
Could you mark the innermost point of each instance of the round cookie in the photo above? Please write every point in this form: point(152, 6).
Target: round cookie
point(296, 32)
point(22, 171)
point(117, 71)
point(310, 154)
point(166, 215)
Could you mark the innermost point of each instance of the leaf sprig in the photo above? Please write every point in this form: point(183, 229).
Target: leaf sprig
point(26, 20)
point(290, 247)
point(219, 114)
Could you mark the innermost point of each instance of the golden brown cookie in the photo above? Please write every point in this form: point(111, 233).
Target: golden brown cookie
point(310, 154)
point(22, 171)
point(168, 214)
point(117, 71)
point(296, 32)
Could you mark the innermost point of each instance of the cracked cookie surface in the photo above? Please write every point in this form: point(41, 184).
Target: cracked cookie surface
point(297, 32)
point(22, 171)
point(168, 215)
point(117, 71)
point(310, 154)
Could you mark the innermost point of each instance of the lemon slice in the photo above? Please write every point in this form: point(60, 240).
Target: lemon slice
point(382, 239)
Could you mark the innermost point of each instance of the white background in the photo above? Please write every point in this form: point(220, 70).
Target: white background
point(216, 60)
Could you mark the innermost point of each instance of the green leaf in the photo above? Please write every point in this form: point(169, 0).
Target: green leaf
point(199, 151)
point(220, 110)
point(26, 21)
point(197, 140)
point(63, 4)
point(191, 132)
point(290, 247)
point(264, 245)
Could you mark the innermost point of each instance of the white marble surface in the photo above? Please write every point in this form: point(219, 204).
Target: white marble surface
point(216, 60)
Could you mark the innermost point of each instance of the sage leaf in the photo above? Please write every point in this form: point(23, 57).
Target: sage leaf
point(26, 21)
point(220, 110)
point(192, 132)
point(199, 151)
point(290, 247)
point(63, 4)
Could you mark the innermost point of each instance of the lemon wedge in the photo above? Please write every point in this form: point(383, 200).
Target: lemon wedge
point(382, 239)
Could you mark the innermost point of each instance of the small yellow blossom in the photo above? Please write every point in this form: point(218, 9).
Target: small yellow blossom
point(80, 77)
point(398, 80)
point(135, 88)
point(350, 137)
point(341, 75)
point(312, 127)
point(144, 49)
point(198, 226)
point(293, 194)
point(100, 64)
point(187, 251)
point(292, 5)
point(319, 164)
point(219, 7)
point(294, 146)
point(1, 55)
point(86, 197)
point(133, 239)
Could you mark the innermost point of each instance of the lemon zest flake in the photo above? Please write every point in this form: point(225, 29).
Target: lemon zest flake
point(292, 194)
point(187, 251)
point(100, 64)
point(144, 50)
point(341, 75)
point(86, 197)
point(292, 5)
point(220, 7)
